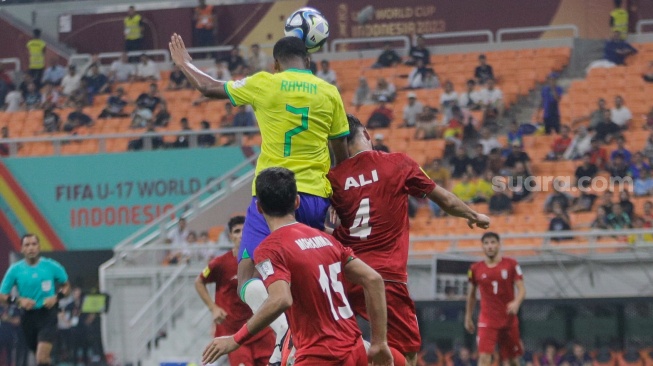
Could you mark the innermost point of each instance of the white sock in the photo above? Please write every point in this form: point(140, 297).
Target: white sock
point(254, 294)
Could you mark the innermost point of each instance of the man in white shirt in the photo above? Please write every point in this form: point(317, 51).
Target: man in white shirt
point(258, 61)
point(412, 110)
point(219, 71)
point(146, 70)
point(492, 98)
point(620, 114)
point(177, 240)
point(488, 141)
point(448, 100)
point(470, 100)
point(326, 73)
point(13, 100)
point(71, 82)
point(121, 70)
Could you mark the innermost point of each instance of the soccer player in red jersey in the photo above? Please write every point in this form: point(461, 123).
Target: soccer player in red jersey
point(228, 311)
point(303, 269)
point(370, 195)
point(496, 278)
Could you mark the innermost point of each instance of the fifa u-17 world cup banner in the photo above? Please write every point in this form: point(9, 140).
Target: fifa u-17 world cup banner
point(94, 201)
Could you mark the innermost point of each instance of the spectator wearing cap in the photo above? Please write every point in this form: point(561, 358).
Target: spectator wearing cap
point(620, 114)
point(550, 104)
point(412, 110)
point(326, 73)
point(616, 49)
point(382, 116)
point(470, 100)
point(378, 143)
point(387, 58)
point(385, 89)
point(483, 71)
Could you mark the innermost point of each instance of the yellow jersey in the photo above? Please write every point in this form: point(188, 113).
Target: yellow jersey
point(297, 114)
point(619, 21)
point(36, 49)
point(133, 27)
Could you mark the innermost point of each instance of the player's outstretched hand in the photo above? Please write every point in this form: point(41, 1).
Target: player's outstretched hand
point(218, 347)
point(219, 315)
point(469, 325)
point(178, 50)
point(25, 303)
point(512, 308)
point(379, 354)
point(481, 221)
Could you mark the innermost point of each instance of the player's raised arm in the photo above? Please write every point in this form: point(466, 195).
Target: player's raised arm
point(455, 207)
point(469, 308)
point(359, 273)
point(208, 86)
point(217, 313)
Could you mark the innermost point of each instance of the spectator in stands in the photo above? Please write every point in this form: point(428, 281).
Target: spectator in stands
point(219, 70)
point(585, 172)
point(384, 89)
point(4, 147)
point(601, 219)
point(597, 116)
point(648, 73)
point(625, 203)
point(151, 99)
point(448, 99)
point(419, 52)
point(378, 143)
point(36, 48)
point(470, 100)
point(147, 70)
point(381, 117)
point(326, 73)
point(412, 110)
point(463, 358)
point(27, 79)
point(387, 58)
point(500, 203)
point(606, 202)
point(560, 222)
point(205, 25)
point(619, 19)
point(518, 155)
point(362, 94)
point(80, 95)
point(235, 62)
point(453, 130)
point(77, 119)
point(178, 240)
point(479, 161)
point(227, 119)
point(32, 98)
point(133, 30)
point(550, 104)
point(182, 141)
point(142, 116)
point(618, 219)
point(521, 183)
point(177, 80)
point(162, 117)
point(606, 129)
point(495, 161)
point(13, 100)
point(72, 81)
point(643, 185)
point(558, 196)
point(121, 70)
point(206, 139)
point(53, 73)
point(580, 144)
point(620, 114)
point(438, 173)
point(258, 60)
point(419, 74)
point(598, 155)
point(616, 49)
point(647, 216)
point(492, 102)
point(96, 82)
point(560, 144)
point(460, 163)
point(484, 187)
point(648, 149)
point(483, 72)
point(427, 125)
point(244, 117)
point(115, 105)
point(584, 202)
point(312, 65)
point(49, 96)
point(139, 143)
point(465, 189)
point(51, 121)
point(488, 140)
point(430, 80)
point(638, 166)
point(621, 150)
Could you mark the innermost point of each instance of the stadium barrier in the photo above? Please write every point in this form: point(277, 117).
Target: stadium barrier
point(464, 34)
point(12, 61)
point(643, 23)
point(520, 30)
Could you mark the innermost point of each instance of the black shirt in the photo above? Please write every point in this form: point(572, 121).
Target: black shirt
point(586, 201)
point(479, 164)
point(115, 104)
point(51, 122)
point(148, 101)
point(513, 159)
point(177, 77)
point(80, 118)
point(500, 202)
point(388, 58)
point(459, 165)
point(589, 171)
point(627, 207)
point(205, 140)
point(417, 53)
point(484, 73)
point(234, 62)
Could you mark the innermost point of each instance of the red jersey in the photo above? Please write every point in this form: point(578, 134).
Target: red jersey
point(321, 320)
point(370, 195)
point(497, 287)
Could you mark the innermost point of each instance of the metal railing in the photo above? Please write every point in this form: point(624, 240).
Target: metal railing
point(11, 60)
point(336, 42)
point(562, 27)
point(643, 23)
point(474, 33)
point(84, 58)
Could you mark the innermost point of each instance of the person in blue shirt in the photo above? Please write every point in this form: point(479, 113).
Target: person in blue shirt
point(616, 49)
point(40, 283)
point(550, 99)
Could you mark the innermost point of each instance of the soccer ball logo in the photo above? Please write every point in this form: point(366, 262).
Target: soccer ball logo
point(310, 26)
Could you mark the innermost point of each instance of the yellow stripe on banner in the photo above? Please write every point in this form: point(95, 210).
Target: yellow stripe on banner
point(23, 214)
point(272, 23)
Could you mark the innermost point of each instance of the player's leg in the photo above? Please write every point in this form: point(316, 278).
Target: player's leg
point(30, 330)
point(510, 345)
point(403, 329)
point(250, 287)
point(242, 356)
point(487, 340)
point(312, 210)
point(47, 335)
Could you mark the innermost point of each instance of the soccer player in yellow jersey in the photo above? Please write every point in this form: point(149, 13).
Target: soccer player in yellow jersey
point(299, 115)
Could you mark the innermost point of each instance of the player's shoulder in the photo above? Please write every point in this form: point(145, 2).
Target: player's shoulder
point(50, 262)
point(510, 261)
point(478, 265)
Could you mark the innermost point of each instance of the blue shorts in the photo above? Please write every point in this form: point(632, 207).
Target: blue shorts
point(312, 211)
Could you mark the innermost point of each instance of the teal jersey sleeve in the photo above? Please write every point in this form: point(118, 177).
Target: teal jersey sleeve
point(245, 91)
point(59, 273)
point(8, 282)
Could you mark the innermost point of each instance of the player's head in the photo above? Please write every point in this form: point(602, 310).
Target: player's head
point(30, 246)
point(491, 244)
point(276, 192)
point(290, 52)
point(235, 227)
point(37, 33)
point(359, 139)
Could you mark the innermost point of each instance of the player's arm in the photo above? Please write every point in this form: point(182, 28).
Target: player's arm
point(453, 206)
point(339, 149)
point(513, 306)
point(217, 312)
point(359, 273)
point(208, 86)
point(279, 299)
point(469, 308)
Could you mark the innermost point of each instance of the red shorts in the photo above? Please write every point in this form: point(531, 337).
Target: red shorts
point(403, 330)
point(256, 352)
point(356, 357)
point(508, 340)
